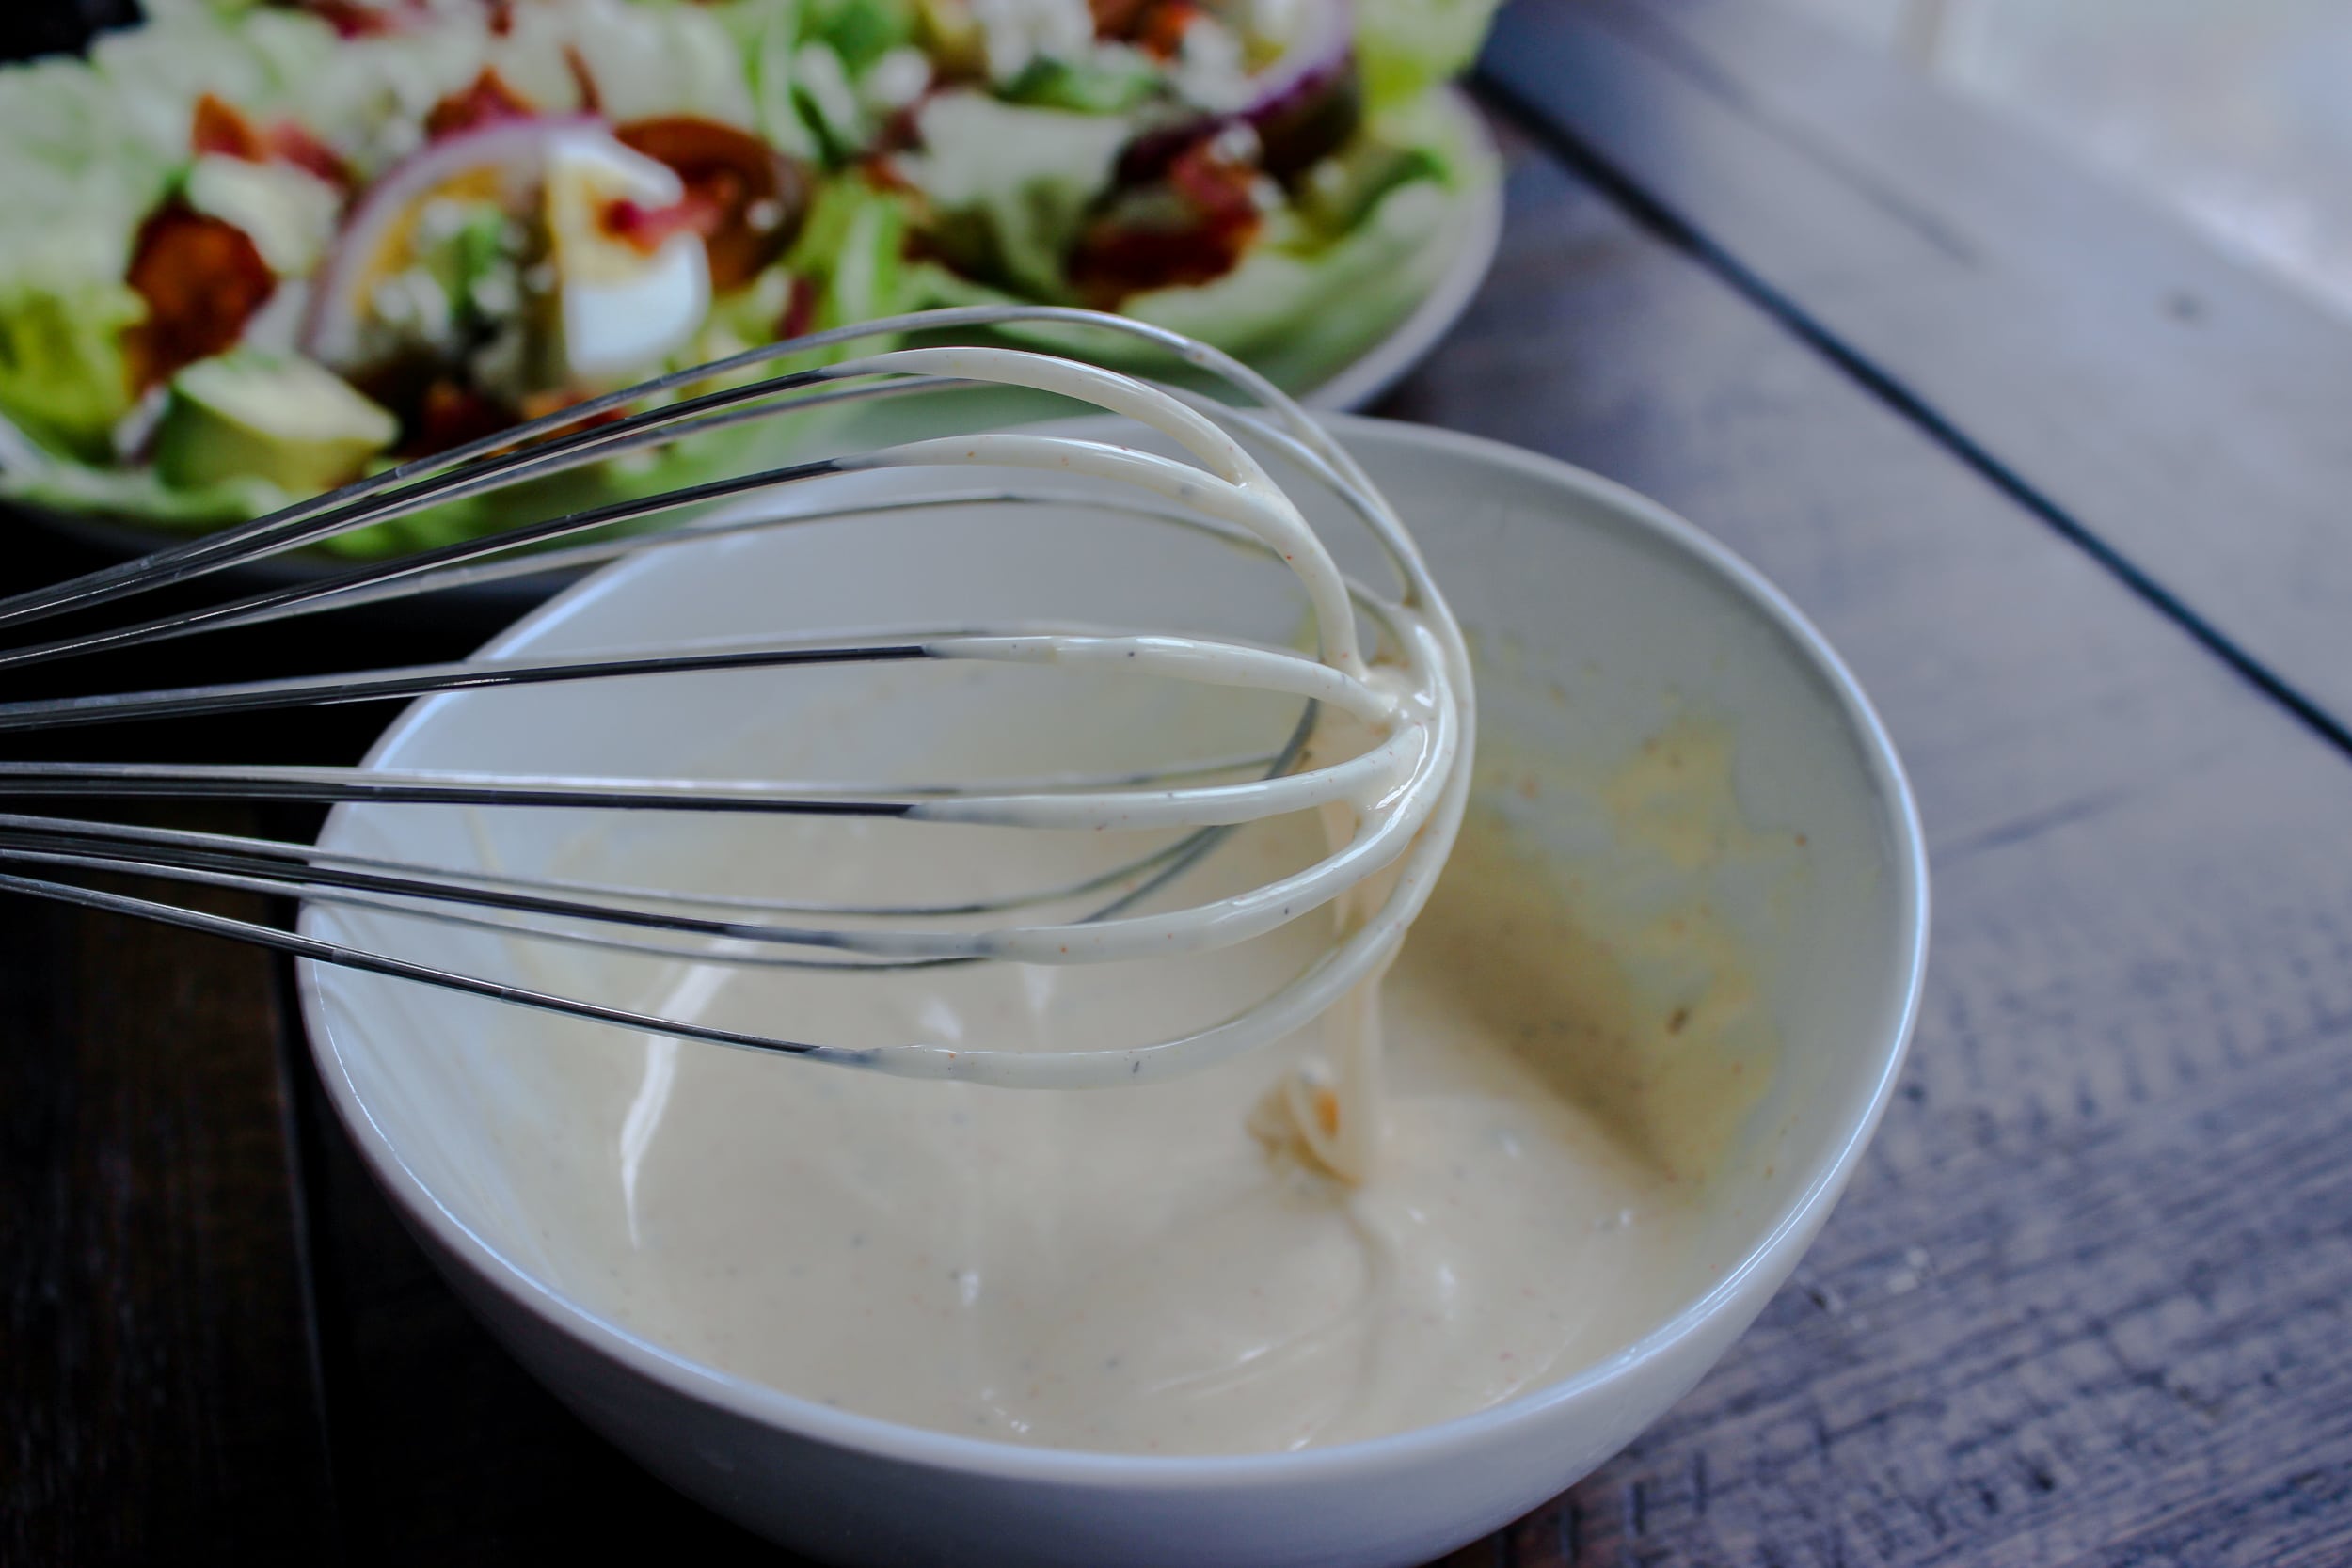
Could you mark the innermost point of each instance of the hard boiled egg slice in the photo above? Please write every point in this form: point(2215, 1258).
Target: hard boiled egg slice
point(621, 307)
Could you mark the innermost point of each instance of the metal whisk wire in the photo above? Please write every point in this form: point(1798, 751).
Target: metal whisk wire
point(1404, 790)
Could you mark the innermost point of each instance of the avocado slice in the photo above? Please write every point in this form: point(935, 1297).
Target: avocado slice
point(287, 419)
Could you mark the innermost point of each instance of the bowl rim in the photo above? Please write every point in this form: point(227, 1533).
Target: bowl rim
point(1793, 1228)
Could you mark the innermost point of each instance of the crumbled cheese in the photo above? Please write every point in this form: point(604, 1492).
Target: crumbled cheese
point(1236, 143)
point(1210, 71)
point(496, 293)
point(1015, 32)
point(413, 302)
point(896, 80)
point(502, 367)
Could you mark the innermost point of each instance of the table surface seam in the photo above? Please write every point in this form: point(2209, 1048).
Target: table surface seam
point(1673, 229)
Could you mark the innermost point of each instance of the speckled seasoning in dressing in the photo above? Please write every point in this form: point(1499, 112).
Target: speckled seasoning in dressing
point(1139, 1270)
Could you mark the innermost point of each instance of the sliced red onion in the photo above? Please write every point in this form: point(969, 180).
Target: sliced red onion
point(1303, 107)
point(330, 328)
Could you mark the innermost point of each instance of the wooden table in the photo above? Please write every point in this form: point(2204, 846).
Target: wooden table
point(2074, 497)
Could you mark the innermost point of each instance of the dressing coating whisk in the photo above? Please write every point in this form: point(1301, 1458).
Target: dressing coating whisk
point(1393, 805)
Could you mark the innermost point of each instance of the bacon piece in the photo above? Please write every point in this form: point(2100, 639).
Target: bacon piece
point(450, 415)
point(1161, 30)
point(1116, 21)
point(289, 143)
point(485, 101)
point(539, 404)
point(352, 19)
point(583, 81)
point(220, 129)
point(202, 280)
point(1112, 263)
point(648, 229)
point(1219, 188)
point(743, 197)
point(1217, 218)
point(800, 308)
point(901, 132)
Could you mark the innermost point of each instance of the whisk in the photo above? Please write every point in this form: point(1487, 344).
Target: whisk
point(1395, 804)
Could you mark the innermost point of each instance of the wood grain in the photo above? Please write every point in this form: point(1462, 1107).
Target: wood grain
point(2141, 391)
point(158, 1394)
point(2086, 1300)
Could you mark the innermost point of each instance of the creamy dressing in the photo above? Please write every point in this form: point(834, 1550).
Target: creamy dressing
point(1470, 1177)
point(1391, 799)
point(1154, 1270)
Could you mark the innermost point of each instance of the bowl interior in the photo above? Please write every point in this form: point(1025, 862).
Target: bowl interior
point(1601, 627)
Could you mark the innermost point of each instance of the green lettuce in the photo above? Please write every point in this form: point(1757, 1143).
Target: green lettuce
point(1300, 306)
point(861, 31)
point(1012, 185)
point(367, 96)
point(1306, 299)
point(1406, 47)
point(852, 246)
point(86, 151)
point(1299, 315)
point(137, 493)
point(766, 35)
point(76, 180)
point(62, 376)
point(802, 60)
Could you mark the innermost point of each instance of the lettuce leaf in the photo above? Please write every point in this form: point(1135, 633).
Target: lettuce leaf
point(1303, 302)
point(368, 96)
point(86, 151)
point(137, 493)
point(861, 31)
point(852, 247)
point(804, 61)
point(1012, 185)
point(647, 61)
point(76, 178)
point(766, 35)
point(62, 376)
point(1406, 47)
point(1299, 315)
point(1299, 308)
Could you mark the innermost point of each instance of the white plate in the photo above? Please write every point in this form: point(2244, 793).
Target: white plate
point(1480, 235)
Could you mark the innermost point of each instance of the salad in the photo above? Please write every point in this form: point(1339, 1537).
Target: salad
point(257, 250)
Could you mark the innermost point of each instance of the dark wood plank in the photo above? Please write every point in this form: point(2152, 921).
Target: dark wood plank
point(2174, 407)
point(158, 1394)
point(2088, 1299)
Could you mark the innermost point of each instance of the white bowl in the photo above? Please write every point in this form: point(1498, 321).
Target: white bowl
point(1567, 573)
